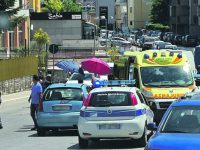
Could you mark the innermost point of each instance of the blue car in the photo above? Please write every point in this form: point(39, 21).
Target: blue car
point(179, 128)
point(60, 107)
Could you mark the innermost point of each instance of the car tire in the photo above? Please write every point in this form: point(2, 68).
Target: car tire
point(41, 131)
point(83, 143)
point(143, 140)
point(95, 140)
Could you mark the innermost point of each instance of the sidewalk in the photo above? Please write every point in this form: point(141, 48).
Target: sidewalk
point(15, 96)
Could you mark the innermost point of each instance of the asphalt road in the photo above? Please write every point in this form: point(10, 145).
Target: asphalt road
point(16, 134)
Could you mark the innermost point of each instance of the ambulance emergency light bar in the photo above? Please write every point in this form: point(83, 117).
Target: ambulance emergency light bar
point(98, 83)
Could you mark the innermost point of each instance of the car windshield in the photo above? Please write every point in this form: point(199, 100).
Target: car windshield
point(63, 94)
point(164, 76)
point(76, 76)
point(107, 99)
point(182, 119)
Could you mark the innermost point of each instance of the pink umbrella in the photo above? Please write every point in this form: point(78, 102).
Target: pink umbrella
point(96, 65)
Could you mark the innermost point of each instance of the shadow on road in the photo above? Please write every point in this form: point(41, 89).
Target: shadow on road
point(25, 128)
point(109, 144)
point(70, 132)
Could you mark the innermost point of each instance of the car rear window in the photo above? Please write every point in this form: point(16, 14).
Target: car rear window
point(63, 94)
point(107, 99)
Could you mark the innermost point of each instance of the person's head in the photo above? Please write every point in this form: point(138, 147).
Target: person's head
point(35, 79)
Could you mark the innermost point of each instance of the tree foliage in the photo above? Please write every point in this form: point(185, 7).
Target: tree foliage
point(41, 38)
point(157, 26)
point(160, 12)
point(71, 6)
point(54, 6)
point(58, 6)
point(7, 12)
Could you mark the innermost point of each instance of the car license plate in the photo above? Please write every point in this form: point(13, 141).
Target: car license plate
point(61, 108)
point(109, 126)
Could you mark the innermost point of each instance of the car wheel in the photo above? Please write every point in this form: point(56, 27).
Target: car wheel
point(41, 131)
point(143, 140)
point(95, 140)
point(55, 131)
point(83, 143)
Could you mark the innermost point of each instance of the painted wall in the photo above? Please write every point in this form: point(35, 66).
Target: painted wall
point(18, 67)
point(59, 30)
point(139, 15)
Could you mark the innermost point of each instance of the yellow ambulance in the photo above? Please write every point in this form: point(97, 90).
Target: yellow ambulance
point(162, 76)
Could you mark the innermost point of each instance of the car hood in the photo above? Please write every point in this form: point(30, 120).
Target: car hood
point(174, 141)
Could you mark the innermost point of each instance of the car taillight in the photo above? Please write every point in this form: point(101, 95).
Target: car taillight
point(87, 101)
point(40, 107)
point(133, 99)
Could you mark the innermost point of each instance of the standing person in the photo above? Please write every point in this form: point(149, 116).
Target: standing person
point(0, 117)
point(35, 97)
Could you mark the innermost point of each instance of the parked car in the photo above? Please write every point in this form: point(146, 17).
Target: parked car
point(60, 107)
point(117, 41)
point(180, 126)
point(87, 78)
point(172, 47)
point(190, 40)
point(114, 112)
point(132, 39)
point(178, 40)
point(148, 42)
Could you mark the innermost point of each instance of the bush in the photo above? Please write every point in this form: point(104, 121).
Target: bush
point(157, 26)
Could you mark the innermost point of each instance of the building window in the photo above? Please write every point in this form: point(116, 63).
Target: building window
point(178, 2)
point(195, 20)
point(130, 9)
point(178, 19)
point(11, 40)
point(195, 1)
point(131, 23)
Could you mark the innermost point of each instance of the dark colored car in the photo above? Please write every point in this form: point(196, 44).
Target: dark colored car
point(190, 40)
point(177, 40)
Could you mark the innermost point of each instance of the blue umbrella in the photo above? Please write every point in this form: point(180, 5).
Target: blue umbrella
point(68, 66)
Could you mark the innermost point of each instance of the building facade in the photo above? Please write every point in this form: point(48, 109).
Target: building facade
point(105, 14)
point(17, 37)
point(138, 13)
point(185, 16)
point(121, 14)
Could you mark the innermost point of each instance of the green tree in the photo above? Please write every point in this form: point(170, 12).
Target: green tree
point(42, 38)
point(54, 6)
point(71, 6)
point(160, 12)
point(7, 12)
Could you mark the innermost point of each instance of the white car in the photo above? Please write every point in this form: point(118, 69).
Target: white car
point(87, 78)
point(114, 112)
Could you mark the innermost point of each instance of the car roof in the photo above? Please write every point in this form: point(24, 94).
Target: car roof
point(61, 85)
point(185, 102)
point(109, 89)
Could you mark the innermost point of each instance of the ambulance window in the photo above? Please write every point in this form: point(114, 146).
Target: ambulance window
point(136, 77)
point(140, 97)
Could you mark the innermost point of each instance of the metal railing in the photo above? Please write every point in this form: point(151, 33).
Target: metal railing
point(15, 85)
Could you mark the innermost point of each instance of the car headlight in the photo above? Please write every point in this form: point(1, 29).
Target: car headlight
point(147, 93)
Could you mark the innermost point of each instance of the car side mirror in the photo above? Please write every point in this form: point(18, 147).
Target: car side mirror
point(152, 126)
